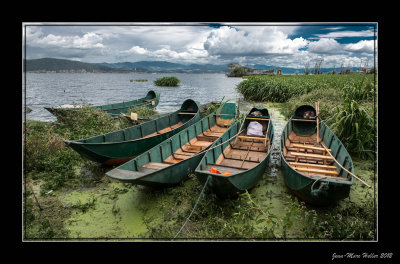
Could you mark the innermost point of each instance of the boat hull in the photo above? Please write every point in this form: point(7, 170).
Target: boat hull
point(150, 101)
point(312, 188)
point(166, 173)
point(120, 146)
point(225, 186)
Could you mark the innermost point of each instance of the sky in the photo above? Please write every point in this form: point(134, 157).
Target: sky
point(273, 44)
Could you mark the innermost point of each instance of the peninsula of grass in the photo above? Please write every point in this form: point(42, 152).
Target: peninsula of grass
point(167, 81)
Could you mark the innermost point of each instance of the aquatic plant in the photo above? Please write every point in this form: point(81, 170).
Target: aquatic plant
point(283, 87)
point(142, 111)
point(167, 81)
point(356, 129)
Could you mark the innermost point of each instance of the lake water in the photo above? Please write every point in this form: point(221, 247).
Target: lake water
point(55, 89)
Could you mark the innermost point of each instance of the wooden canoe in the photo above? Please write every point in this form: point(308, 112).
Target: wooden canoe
point(119, 146)
point(151, 100)
point(168, 163)
point(309, 171)
point(243, 158)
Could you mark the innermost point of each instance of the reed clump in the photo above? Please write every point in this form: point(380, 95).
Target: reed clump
point(347, 103)
point(167, 81)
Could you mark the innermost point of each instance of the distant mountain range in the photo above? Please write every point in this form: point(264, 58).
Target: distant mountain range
point(61, 65)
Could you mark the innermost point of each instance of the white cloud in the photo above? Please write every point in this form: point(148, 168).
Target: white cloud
point(136, 50)
point(251, 41)
point(347, 33)
point(361, 46)
point(36, 38)
point(324, 45)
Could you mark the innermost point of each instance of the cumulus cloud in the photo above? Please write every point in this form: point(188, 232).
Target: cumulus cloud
point(361, 46)
point(36, 38)
point(257, 41)
point(324, 45)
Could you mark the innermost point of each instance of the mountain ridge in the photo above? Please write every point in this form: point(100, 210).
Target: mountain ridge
point(63, 65)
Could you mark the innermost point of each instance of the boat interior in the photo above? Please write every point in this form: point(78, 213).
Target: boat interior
point(150, 128)
point(304, 152)
point(196, 144)
point(245, 152)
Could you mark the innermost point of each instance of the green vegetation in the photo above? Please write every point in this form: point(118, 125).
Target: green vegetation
point(347, 103)
point(139, 80)
point(142, 111)
point(167, 81)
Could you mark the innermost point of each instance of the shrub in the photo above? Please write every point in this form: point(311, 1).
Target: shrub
point(167, 81)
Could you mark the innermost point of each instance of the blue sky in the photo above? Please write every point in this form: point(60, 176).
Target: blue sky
point(275, 44)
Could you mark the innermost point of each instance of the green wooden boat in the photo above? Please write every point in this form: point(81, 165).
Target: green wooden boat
point(119, 146)
point(309, 171)
point(168, 163)
point(151, 100)
point(239, 163)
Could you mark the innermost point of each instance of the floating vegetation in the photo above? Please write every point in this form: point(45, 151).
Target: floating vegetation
point(167, 81)
point(139, 80)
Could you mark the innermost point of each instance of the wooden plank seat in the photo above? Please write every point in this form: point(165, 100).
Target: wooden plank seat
point(155, 165)
point(252, 148)
point(193, 148)
point(298, 146)
point(299, 164)
point(186, 113)
point(202, 137)
point(298, 155)
point(317, 171)
point(252, 138)
point(309, 160)
point(257, 118)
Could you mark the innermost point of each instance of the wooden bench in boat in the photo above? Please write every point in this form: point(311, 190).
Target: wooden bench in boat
point(317, 171)
point(299, 164)
point(186, 113)
point(297, 155)
point(299, 146)
point(253, 138)
point(155, 165)
point(257, 118)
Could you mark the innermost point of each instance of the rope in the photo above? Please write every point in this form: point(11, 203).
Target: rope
point(194, 208)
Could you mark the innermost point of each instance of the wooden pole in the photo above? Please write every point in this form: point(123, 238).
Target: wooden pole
point(37, 202)
point(317, 108)
point(344, 167)
point(266, 133)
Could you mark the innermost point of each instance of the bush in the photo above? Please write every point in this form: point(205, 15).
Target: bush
point(167, 81)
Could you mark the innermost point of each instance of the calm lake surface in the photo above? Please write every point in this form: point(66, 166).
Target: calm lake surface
point(55, 89)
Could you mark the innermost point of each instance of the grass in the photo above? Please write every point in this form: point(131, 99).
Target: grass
point(167, 81)
point(347, 103)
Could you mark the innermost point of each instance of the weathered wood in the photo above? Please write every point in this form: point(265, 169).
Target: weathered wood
point(186, 113)
point(257, 118)
point(155, 165)
point(312, 165)
point(304, 120)
point(311, 155)
point(307, 147)
point(247, 137)
point(318, 171)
